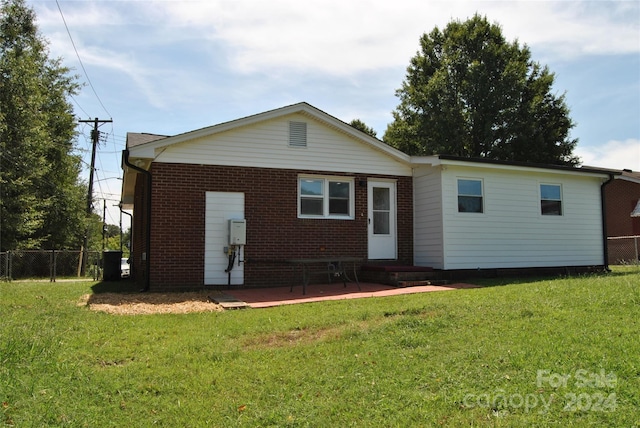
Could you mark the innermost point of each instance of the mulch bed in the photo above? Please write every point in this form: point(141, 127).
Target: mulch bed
point(151, 303)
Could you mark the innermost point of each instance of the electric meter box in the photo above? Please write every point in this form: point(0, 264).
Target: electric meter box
point(237, 232)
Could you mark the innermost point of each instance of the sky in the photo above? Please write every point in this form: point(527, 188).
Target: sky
point(173, 66)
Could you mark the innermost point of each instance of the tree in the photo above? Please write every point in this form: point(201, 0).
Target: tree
point(113, 240)
point(361, 126)
point(111, 230)
point(41, 197)
point(468, 92)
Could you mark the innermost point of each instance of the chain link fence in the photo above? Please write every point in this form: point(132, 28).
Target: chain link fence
point(51, 264)
point(54, 264)
point(624, 250)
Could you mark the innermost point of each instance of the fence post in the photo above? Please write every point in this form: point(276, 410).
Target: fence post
point(97, 265)
point(9, 273)
point(4, 274)
point(53, 258)
point(635, 243)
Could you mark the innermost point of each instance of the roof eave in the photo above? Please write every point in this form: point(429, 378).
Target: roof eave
point(490, 163)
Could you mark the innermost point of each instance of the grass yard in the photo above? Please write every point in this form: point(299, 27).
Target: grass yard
point(530, 352)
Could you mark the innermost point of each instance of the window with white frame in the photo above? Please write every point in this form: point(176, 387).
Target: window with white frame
point(325, 197)
point(470, 196)
point(550, 199)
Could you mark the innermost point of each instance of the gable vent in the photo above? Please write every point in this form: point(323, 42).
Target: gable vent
point(297, 134)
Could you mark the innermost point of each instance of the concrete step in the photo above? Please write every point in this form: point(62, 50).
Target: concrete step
point(395, 275)
point(228, 302)
point(419, 283)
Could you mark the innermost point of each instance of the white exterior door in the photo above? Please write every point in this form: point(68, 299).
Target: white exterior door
point(381, 197)
point(220, 208)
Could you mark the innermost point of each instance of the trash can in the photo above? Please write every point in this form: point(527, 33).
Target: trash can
point(111, 265)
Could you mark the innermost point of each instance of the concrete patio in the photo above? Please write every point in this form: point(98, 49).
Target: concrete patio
point(276, 296)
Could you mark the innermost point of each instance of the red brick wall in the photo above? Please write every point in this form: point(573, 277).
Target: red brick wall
point(621, 197)
point(274, 233)
point(138, 230)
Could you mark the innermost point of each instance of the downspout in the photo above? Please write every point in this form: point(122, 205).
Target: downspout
point(130, 229)
point(604, 222)
point(147, 269)
point(130, 222)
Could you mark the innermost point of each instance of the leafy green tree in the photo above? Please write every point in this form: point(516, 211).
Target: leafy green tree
point(113, 241)
point(111, 230)
point(468, 92)
point(360, 125)
point(41, 197)
point(95, 225)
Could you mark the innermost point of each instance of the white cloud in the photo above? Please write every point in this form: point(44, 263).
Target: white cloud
point(215, 60)
point(613, 154)
point(342, 38)
point(338, 37)
point(285, 40)
point(572, 28)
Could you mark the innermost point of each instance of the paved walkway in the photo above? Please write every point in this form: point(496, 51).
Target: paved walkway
point(266, 297)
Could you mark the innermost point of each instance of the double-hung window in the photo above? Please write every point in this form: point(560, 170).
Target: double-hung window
point(550, 199)
point(470, 196)
point(325, 197)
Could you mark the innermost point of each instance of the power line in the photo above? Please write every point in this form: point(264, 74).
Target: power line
point(78, 104)
point(81, 64)
point(95, 137)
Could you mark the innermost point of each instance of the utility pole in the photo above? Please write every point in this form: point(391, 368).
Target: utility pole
point(95, 137)
point(104, 221)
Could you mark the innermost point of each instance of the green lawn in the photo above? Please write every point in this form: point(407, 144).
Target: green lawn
point(531, 352)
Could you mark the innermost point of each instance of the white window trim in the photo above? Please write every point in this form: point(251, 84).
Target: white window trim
point(561, 200)
point(325, 196)
point(482, 195)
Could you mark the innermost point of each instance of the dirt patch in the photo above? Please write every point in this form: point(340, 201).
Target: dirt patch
point(292, 337)
point(151, 303)
point(309, 335)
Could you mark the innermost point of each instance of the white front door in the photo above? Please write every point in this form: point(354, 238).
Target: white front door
point(381, 200)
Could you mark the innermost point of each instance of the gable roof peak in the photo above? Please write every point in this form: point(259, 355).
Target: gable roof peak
point(300, 108)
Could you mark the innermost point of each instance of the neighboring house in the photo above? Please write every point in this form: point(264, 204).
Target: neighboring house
point(622, 197)
point(309, 185)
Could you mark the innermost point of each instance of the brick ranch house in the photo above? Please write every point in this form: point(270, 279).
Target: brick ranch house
point(310, 185)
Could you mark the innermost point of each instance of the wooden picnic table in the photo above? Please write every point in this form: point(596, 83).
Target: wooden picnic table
point(333, 267)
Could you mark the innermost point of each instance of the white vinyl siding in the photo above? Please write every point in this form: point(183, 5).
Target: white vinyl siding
point(512, 233)
point(266, 145)
point(428, 240)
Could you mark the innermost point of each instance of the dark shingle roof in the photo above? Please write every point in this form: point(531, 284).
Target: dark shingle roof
point(135, 139)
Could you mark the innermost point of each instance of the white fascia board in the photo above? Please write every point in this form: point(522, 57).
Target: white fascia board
point(535, 169)
point(426, 160)
point(627, 178)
